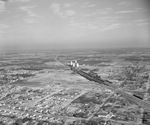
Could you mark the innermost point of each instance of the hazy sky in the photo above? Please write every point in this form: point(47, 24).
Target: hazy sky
point(74, 23)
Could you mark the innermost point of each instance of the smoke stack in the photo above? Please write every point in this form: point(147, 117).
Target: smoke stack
point(77, 65)
point(71, 63)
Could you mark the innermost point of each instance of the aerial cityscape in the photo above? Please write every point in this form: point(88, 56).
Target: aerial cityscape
point(74, 62)
point(76, 87)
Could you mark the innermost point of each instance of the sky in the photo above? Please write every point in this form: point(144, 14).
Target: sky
point(74, 23)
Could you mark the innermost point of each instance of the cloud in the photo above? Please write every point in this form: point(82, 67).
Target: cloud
point(125, 12)
point(80, 28)
point(124, 3)
point(29, 20)
point(88, 5)
point(24, 0)
point(70, 13)
point(83, 25)
point(2, 6)
point(66, 5)
point(2, 28)
point(111, 27)
point(28, 10)
point(142, 21)
point(56, 9)
point(19, 0)
point(30, 14)
point(103, 12)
